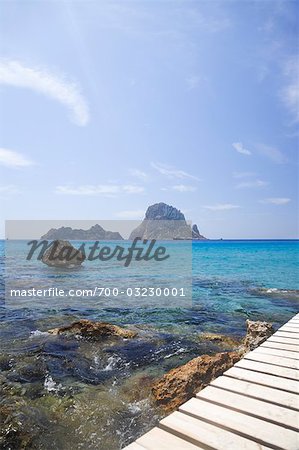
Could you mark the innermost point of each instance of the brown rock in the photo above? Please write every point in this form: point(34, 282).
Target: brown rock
point(181, 383)
point(93, 330)
point(220, 339)
point(257, 333)
point(62, 254)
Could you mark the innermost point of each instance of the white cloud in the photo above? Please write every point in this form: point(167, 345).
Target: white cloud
point(100, 189)
point(221, 207)
point(290, 92)
point(14, 73)
point(244, 174)
point(13, 159)
point(183, 188)
point(130, 214)
point(193, 82)
point(8, 190)
point(252, 184)
point(241, 149)
point(272, 153)
point(276, 200)
point(171, 172)
point(139, 174)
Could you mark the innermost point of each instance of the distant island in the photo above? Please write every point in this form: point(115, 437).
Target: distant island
point(95, 233)
point(163, 221)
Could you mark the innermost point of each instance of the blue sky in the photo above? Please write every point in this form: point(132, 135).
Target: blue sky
point(108, 107)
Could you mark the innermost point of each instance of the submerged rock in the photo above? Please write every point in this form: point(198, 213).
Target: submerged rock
point(180, 384)
point(62, 254)
point(21, 424)
point(93, 330)
point(221, 340)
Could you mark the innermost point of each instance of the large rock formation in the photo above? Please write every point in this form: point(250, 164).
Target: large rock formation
point(62, 254)
point(87, 329)
point(163, 221)
point(94, 233)
point(181, 383)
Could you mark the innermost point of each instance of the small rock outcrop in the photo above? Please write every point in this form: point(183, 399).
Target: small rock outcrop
point(196, 236)
point(94, 233)
point(62, 254)
point(257, 333)
point(181, 383)
point(87, 329)
point(164, 222)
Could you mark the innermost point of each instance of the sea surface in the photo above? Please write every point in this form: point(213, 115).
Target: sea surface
point(63, 393)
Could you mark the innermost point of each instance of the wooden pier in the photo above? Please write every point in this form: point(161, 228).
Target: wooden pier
point(254, 405)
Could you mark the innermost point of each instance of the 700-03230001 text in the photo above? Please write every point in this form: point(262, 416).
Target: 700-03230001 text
point(100, 292)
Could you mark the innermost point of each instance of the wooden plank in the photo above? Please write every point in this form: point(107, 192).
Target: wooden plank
point(278, 352)
point(289, 329)
point(292, 336)
point(294, 321)
point(272, 359)
point(269, 369)
point(284, 340)
point(257, 408)
point(163, 440)
point(280, 346)
point(265, 433)
point(206, 434)
point(264, 379)
point(275, 351)
point(134, 446)
point(265, 393)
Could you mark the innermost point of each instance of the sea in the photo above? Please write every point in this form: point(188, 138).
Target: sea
point(62, 393)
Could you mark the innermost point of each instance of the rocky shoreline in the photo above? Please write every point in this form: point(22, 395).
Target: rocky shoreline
point(182, 383)
point(35, 400)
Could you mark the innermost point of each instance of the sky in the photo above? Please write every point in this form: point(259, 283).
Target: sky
point(107, 107)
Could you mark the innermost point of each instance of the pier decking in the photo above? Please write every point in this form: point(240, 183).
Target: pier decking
point(254, 405)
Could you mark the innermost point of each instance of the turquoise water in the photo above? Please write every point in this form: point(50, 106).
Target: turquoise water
point(77, 394)
point(232, 280)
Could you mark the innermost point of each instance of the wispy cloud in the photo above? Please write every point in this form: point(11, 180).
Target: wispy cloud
point(171, 172)
point(276, 200)
point(241, 149)
point(193, 82)
point(8, 190)
point(221, 207)
point(290, 92)
point(140, 174)
point(244, 174)
point(14, 73)
point(272, 153)
point(183, 188)
point(130, 214)
point(252, 184)
point(100, 189)
point(13, 159)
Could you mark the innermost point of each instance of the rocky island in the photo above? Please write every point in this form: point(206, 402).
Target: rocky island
point(163, 221)
point(94, 233)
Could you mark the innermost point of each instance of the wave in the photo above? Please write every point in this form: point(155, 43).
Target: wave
point(292, 294)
